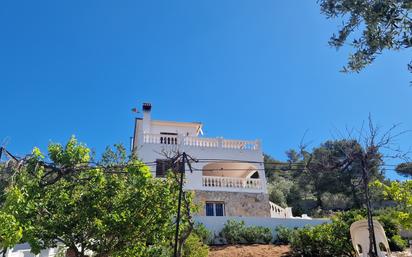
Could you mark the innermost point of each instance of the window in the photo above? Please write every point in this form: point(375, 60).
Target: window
point(163, 166)
point(215, 209)
point(168, 138)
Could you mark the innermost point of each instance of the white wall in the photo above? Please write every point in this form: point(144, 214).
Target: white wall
point(23, 250)
point(216, 224)
point(181, 130)
point(151, 152)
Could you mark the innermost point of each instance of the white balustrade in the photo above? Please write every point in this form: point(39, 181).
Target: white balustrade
point(231, 182)
point(200, 142)
point(240, 144)
point(278, 212)
point(160, 139)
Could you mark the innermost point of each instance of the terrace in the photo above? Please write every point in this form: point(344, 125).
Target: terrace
point(231, 176)
point(195, 141)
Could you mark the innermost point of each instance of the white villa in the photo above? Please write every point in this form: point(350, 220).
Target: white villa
point(228, 180)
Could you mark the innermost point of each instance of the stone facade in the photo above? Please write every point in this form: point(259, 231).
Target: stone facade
point(236, 203)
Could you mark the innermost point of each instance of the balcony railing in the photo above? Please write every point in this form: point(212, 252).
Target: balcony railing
point(231, 182)
point(278, 212)
point(200, 142)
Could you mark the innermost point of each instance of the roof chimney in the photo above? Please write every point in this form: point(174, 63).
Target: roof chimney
point(147, 120)
point(147, 107)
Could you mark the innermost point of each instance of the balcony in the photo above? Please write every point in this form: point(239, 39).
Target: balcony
point(201, 142)
point(231, 183)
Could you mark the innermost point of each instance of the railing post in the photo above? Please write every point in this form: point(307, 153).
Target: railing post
point(220, 142)
point(180, 140)
point(257, 145)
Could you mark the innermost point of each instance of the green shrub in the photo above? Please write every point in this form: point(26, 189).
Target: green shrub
point(392, 228)
point(203, 233)
point(333, 239)
point(325, 240)
point(397, 243)
point(194, 247)
point(337, 201)
point(257, 235)
point(235, 232)
point(283, 235)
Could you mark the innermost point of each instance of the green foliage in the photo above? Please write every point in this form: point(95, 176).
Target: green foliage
point(279, 190)
point(337, 201)
point(404, 169)
point(392, 227)
point(257, 235)
point(10, 231)
point(203, 233)
point(401, 193)
point(125, 213)
point(71, 154)
point(333, 239)
point(194, 247)
point(325, 240)
point(283, 235)
point(235, 232)
point(114, 156)
point(378, 25)
point(397, 243)
point(321, 180)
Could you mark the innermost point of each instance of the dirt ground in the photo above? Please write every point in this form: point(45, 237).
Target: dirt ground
point(263, 251)
point(249, 251)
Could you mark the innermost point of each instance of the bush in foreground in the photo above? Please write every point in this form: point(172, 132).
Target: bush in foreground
point(236, 232)
point(203, 233)
point(333, 239)
point(325, 240)
point(391, 224)
point(194, 247)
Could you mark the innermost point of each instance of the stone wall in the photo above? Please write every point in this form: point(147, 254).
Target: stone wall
point(236, 203)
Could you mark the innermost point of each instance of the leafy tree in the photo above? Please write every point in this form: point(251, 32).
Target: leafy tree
point(272, 167)
point(114, 211)
point(279, 190)
point(404, 169)
point(283, 181)
point(328, 177)
point(376, 25)
point(338, 201)
point(114, 157)
point(10, 232)
point(400, 192)
point(334, 167)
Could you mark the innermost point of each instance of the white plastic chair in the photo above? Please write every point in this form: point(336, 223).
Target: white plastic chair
point(360, 238)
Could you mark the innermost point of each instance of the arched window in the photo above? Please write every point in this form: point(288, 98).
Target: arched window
point(359, 248)
point(255, 175)
point(382, 247)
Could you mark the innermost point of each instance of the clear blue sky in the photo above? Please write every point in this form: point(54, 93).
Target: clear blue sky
point(246, 69)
